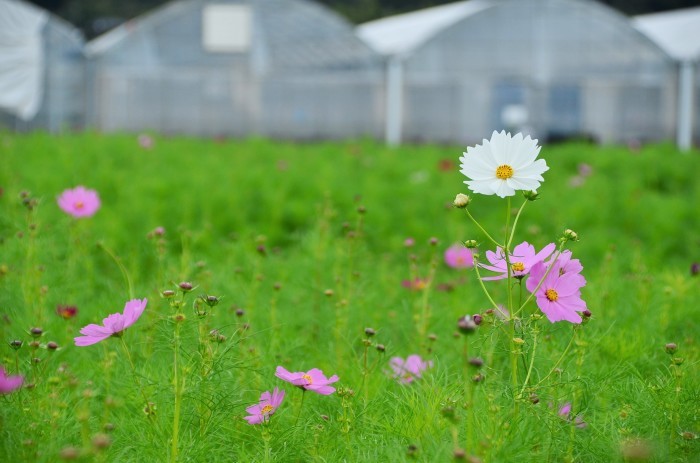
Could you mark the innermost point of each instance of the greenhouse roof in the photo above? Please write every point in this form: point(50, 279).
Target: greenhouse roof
point(405, 32)
point(677, 31)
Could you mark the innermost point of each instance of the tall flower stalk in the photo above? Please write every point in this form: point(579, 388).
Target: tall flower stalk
point(501, 166)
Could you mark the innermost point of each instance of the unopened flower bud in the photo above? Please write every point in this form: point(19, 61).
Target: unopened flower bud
point(101, 441)
point(570, 235)
point(179, 317)
point(168, 293)
point(432, 337)
point(671, 348)
point(518, 341)
point(694, 268)
point(466, 325)
point(36, 332)
point(461, 201)
point(678, 360)
point(211, 301)
point(34, 344)
point(586, 313)
point(361, 209)
point(240, 312)
point(433, 241)
point(51, 345)
point(16, 344)
point(534, 399)
point(477, 318)
point(471, 244)
point(459, 454)
point(69, 453)
point(185, 286)
point(531, 195)
point(476, 362)
point(369, 332)
point(478, 378)
point(380, 347)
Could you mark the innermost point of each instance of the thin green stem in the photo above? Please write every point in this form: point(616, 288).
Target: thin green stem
point(147, 403)
point(532, 361)
point(301, 405)
point(561, 357)
point(509, 278)
point(515, 224)
point(178, 392)
point(481, 228)
point(125, 274)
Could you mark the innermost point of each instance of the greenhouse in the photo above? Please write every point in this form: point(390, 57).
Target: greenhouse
point(277, 68)
point(551, 68)
point(678, 32)
point(41, 70)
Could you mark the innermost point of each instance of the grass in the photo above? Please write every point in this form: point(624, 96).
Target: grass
point(304, 246)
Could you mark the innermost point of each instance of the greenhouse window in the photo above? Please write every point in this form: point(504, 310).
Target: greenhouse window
point(226, 28)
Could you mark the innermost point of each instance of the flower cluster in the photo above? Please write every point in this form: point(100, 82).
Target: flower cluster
point(312, 380)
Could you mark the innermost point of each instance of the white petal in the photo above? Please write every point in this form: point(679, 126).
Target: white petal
point(523, 183)
point(534, 170)
point(502, 189)
point(481, 187)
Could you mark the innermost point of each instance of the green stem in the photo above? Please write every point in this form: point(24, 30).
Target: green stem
point(532, 361)
point(509, 277)
point(515, 224)
point(481, 228)
point(561, 357)
point(301, 405)
point(136, 377)
point(177, 390)
point(125, 274)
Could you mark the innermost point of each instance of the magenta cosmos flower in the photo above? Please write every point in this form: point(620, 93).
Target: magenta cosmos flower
point(9, 383)
point(559, 294)
point(79, 202)
point(113, 325)
point(458, 256)
point(267, 407)
point(312, 380)
point(522, 259)
point(407, 371)
point(565, 414)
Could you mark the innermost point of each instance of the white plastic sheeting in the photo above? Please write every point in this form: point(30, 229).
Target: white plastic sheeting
point(21, 58)
point(677, 31)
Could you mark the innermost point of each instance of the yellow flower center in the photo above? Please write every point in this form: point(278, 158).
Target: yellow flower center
point(551, 295)
point(266, 409)
point(79, 205)
point(308, 378)
point(518, 267)
point(504, 171)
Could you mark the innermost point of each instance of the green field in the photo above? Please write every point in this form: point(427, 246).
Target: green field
point(304, 247)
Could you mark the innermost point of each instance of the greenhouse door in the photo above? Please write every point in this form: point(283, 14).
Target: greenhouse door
point(563, 111)
point(509, 106)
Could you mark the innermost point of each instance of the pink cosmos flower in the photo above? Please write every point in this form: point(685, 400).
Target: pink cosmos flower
point(559, 294)
point(113, 325)
point(267, 407)
point(407, 371)
point(312, 380)
point(521, 260)
point(79, 202)
point(566, 264)
point(458, 256)
point(417, 284)
point(145, 141)
point(565, 413)
point(9, 383)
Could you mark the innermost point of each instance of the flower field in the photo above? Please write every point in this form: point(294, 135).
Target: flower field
point(175, 299)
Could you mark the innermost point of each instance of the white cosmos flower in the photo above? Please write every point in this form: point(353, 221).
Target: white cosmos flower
point(503, 164)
